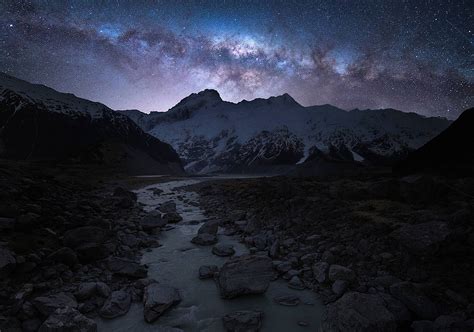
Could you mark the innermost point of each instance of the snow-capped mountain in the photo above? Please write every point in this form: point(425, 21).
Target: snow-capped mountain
point(37, 122)
point(212, 135)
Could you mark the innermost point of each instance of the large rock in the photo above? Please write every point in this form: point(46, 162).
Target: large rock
point(338, 272)
point(168, 207)
point(320, 272)
point(65, 256)
point(209, 227)
point(359, 312)
point(157, 299)
point(68, 319)
point(151, 221)
point(243, 321)
point(204, 239)
point(223, 250)
point(424, 238)
point(87, 234)
point(126, 268)
point(207, 271)
point(7, 261)
point(172, 217)
point(46, 305)
point(414, 299)
point(116, 305)
point(245, 275)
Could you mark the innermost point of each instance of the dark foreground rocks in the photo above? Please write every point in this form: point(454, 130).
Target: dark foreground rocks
point(157, 299)
point(69, 248)
point(384, 253)
point(243, 321)
point(244, 275)
point(68, 319)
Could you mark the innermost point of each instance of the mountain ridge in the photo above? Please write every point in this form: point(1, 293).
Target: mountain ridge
point(40, 123)
point(221, 136)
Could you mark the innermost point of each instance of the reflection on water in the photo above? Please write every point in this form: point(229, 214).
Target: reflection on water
point(177, 263)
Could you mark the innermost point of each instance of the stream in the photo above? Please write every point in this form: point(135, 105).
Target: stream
point(176, 263)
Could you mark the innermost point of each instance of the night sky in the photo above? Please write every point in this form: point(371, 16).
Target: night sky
point(409, 55)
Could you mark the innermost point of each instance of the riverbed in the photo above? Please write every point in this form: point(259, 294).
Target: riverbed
point(176, 263)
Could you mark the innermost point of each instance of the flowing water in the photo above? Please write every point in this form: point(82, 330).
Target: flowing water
point(177, 262)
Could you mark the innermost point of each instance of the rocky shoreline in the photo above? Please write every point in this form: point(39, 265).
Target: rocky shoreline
point(70, 247)
point(384, 254)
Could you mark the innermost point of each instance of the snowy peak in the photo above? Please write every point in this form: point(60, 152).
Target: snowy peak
point(206, 97)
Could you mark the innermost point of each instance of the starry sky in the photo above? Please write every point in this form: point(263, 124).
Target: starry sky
point(415, 56)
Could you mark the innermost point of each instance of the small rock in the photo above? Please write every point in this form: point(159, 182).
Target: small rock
point(223, 250)
point(320, 272)
point(287, 300)
point(116, 305)
point(338, 272)
point(243, 321)
point(172, 217)
point(46, 305)
point(209, 227)
point(204, 239)
point(208, 271)
point(168, 207)
point(296, 283)
point(65, 256)
point(68, 320)
point(339, 287)
point(7, 261)
point(127, 268)
point(157, 299)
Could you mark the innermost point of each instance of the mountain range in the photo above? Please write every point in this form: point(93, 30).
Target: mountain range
point(213, 135)
point(39, 123)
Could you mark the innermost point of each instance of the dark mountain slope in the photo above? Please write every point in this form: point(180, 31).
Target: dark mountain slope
point(450, 153)
point(39, 123)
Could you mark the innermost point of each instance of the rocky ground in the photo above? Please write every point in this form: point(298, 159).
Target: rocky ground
point(69, 248)
point(384, 253)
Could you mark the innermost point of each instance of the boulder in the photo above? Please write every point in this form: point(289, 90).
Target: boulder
point(338, 272)
point(414, 299)
point(209, 227)
point(116, 305)
point(296, 283)
point(243, 321)
point(358, 312)
point(85, 291)
point(223, 250)
point(167, 207)
point(151, 221)
point(208, 271)
point(92, 251)
point(126, 268)
point(86, 234)
point(172, 217)
point(65, 255)
point(7, 261)
point(122, 192)
point(245, 275)
point(339, 287)
point(46, 305)
point(204, 239)
point(424, 238)
point(68, 319)
point(157, 299)
point(320, 272)
point(287, 300)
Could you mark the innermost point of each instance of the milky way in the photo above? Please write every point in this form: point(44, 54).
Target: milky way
point(410, 55)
